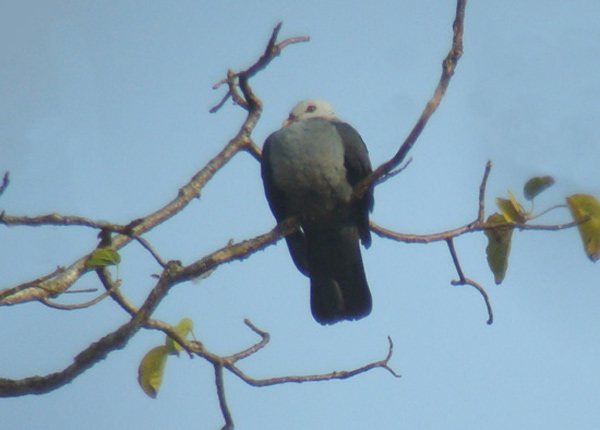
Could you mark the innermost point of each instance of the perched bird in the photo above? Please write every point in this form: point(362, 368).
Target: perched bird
point(309, 168)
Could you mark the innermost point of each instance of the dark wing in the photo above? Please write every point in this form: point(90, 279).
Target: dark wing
point(358, 167)
point(275, 196)
point(277, 202)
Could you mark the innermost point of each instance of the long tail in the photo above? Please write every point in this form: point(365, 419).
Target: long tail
point(338, 285)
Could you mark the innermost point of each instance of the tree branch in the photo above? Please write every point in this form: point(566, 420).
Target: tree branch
point(55, 219)
point(477, 225)
point(94, 353)
point(482, 187)
point(265, 337)
point(5, 182)
point(187, 193)
point(463, 280)
point(272, 50)
point(84, 305)
point(237, 251)
point(219, 382)
point(448, 66)
point(344, 374)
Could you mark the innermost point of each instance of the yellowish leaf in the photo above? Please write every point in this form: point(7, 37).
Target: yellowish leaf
point(184, 328)
point(498, 248)
point(103, 257)
point(511, 209)
point(151, 370)
point(586, 210)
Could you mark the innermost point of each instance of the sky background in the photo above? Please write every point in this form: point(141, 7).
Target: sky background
point(104, 114)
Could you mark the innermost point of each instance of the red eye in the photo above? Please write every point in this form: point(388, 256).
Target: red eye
point(311, 108)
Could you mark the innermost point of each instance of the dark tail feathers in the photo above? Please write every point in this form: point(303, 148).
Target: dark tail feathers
point(338, 285)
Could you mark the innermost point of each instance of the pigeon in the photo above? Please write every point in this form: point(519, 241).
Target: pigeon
point(309, 169)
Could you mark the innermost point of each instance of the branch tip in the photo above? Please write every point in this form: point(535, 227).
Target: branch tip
point(5, 182)
point(448, 66)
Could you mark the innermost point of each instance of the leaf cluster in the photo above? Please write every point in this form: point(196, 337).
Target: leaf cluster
point(500, 226)
point(152, 366)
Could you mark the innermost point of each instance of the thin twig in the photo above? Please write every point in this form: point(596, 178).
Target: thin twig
point(483, 293)
point(55, 219)
point(237, 251)
point(448, 66)
point(111, 286)
point(344, 374)
point(82, 290)
point(5, 182)
point(186, 194)
point(463, 280)
point(467, 228)
point(545, 211)
point(233, 92)
point(265, 337)
point(151, 250)
point(7, 292)
point(191, 348)
point(482, 187)
point(94, 353)
point(84, 305)
point(253, 149)
point(272, 50)
point(393, 173)
point(220, 383)
point(461, 275)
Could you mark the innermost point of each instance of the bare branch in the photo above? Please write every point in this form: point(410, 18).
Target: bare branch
point(55, 219)
point(8, 292)
point(5, 182)
point(272, 50)
point(482, 187)
point(151, 250)
point(344, 374)
point(222, 397)
point(186, 194)
point(477, 225)
point(87, 304)
point(448, 66)
point(461, 275)
point(253, 149)
point(545, 211)
point(94, 353)
point(233, 92)
point(468, 228)
point(483, 293)
point(265, 337)
point(237, 251)
point(111, 286)
point(393, 173)
point(81, 290)
point(191, 347)
point(462, 280)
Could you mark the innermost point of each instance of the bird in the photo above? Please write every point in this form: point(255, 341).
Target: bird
point(309, 169)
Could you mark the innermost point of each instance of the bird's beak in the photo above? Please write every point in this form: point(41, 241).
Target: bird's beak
point(288, 121)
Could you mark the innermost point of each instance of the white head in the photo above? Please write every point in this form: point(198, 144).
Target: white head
point(310, 108)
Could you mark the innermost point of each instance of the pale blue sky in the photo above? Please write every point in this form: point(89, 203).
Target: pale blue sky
point(104, 114)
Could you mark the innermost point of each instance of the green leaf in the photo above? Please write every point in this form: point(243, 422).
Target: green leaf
point(184, 328)
point(536, 185)
point(511, 209)
point(151, 370)
point(498, 248)
point(586, 210)
point(103, 257)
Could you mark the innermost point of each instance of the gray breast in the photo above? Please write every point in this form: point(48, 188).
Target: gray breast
point(307, 161)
